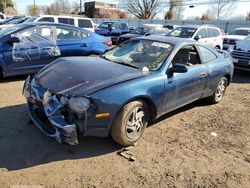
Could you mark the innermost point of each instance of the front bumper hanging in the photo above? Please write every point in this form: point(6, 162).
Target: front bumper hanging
point(46, 114)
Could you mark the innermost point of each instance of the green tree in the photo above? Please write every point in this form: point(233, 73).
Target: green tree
point(5, 4)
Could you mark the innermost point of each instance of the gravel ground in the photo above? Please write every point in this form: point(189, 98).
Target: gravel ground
point(177, 150)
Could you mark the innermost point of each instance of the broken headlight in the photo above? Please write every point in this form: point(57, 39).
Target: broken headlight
point(79, 104)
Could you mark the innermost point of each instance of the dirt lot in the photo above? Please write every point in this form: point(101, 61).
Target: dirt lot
point(176, 151)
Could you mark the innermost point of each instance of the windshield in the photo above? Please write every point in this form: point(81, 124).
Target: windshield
point(140, 54)
point(247, 38)
point(241, 32)
point(31, 19)
point(17, 21)
point(10, 30)
point(182, 32)
point(140, 30)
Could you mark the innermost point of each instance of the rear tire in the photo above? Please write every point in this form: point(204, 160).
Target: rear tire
point(130, 123)
point(219, 92)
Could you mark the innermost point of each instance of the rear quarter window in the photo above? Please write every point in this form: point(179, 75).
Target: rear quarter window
point(85, 23)
point(206, 54)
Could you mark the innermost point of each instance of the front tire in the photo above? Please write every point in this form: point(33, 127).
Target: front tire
point(130, 123)
point(219, 92)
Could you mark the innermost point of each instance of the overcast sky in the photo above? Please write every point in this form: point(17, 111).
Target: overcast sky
point(242, 8)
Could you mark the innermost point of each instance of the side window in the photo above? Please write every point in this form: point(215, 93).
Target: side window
point(66, 20)
point(46, 19)
point(116, 26)
point(206, 54)
point(202, 33)
point(69, 34)
point(124, 26)
point(187, 55)
point(84, 23)
point(216, 33)
point(37, 34)
point(210, 32)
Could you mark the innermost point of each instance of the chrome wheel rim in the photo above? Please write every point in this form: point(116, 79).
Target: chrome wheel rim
point(135, 123)
point(220, 90)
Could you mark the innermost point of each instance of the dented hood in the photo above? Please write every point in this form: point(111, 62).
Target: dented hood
point(80, 76)
point(243, 45)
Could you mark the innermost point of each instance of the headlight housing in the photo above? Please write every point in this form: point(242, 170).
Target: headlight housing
point(79, 104)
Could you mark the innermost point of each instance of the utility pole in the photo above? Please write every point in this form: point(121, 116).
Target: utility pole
point(80, 6)
point(34, 7)
point(4, 5)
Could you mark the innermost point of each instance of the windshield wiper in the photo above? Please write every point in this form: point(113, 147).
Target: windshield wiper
point(127, 64)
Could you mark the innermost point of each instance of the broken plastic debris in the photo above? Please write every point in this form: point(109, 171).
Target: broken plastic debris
point(213, 134)
point(124, 152)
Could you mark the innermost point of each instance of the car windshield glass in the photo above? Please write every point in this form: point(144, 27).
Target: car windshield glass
point(140, 30)
point(240, 32)
point(182, 32)
point(248, 37)
point(105, 25)
point(17, 21)
point(140, 54)
point(31, 19)
point(10, 30)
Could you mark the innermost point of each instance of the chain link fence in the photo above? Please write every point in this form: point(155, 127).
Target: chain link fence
point(227, 26)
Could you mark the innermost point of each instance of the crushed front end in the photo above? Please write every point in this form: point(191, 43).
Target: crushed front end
point(57, 116)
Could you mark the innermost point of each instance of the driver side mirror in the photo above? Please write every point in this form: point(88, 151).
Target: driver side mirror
point(14, 39)
point(177, 68)
point(197, 37)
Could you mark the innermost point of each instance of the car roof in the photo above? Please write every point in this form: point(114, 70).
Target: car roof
point(243, 28)
point(32, 24)
point(65, 16)
point(165, 39)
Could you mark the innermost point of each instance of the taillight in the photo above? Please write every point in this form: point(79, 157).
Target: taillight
point(108, 43)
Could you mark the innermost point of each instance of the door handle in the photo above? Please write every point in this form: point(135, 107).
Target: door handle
point(203, 74)
point(84, 45)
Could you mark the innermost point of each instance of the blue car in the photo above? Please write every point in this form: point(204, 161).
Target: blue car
point(125, 88)
point(113, 30)
point(28, 47)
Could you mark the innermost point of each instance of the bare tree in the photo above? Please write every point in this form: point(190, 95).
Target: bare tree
point(58, 7)
point(208, 15)
point(176, 9)
point(222, 8)
point(248, 16)
point(33, 10)
point(143, 9)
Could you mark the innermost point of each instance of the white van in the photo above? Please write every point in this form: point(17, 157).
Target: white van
point(85, 23)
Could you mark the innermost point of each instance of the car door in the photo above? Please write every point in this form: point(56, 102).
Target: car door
point(35, 49)
point(183, 88)
point(209, 60)
point(72, 42)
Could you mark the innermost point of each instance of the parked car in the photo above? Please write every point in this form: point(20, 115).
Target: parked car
point(27, 47)
point(144, 30)
point(241, 54)
point(85, 23)
point(13, 22)
point(2, 17)
point(205, 33)
point(235, 35)
point(112, 29)
point(170, 27)
point(125, 88)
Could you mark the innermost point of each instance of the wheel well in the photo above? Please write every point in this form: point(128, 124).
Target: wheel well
point(217, 46)
point(1, 72)
point(151, 106)
point(228, 77)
